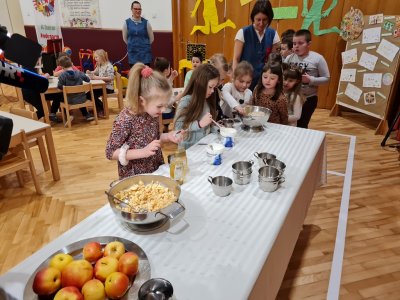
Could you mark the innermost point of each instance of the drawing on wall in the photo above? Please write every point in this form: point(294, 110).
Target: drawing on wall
point(315, 14)
point(349, 56)
point(369, 98)
point(387, 79)
point(192, 48)
point(210, 16)
point(81, 14)
point(352, 24)
point(375, 19)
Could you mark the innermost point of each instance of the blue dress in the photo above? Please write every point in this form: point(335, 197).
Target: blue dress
point(139, 46)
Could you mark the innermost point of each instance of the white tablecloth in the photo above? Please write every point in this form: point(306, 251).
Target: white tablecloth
point(234, 247)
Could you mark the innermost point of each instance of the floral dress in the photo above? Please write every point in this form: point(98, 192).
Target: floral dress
point(137, 131)
point(278, 107)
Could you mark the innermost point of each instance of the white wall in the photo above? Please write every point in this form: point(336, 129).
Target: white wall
point(114, 12)
point(11, 17)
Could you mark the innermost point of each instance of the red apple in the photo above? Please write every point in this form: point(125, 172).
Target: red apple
point(105, 266)
point(68, 293)
point(114, 249)
point(116, 285)
point(47, 281)
point(128, 263)
point(92, 252)
point(60, 260)
point(77, 273)
point(93, 290)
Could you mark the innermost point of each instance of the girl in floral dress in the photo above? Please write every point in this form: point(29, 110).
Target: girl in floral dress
point(135, 140)
point(269, 93)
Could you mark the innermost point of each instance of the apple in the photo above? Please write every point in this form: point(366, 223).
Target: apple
point(114, 249)
point(116, 285)
point(93, 290)
point(92, 251)
point(76, 273)
point(60, 260)
point(128, 264)
point(105, 266)
point(47, 281)
point(68, 293)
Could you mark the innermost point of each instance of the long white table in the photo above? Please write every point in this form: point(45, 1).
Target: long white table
point(236, 247)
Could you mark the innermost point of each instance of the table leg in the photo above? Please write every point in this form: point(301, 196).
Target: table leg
point(45, 108)
point(52, 154)
point(105, 102)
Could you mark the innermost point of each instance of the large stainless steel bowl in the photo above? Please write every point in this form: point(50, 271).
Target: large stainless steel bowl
point(171, 211)
point(255, 121)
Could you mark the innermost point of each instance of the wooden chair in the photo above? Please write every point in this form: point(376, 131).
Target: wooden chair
point(66, 107)
point(119, 91)
point(18, 158)
point(35, 141)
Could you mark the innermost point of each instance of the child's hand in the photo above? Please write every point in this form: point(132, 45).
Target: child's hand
point(174, 74)
point(152, 148)
point(239, 109)
point(176, 136)
point(206, 120)
point(305, 78)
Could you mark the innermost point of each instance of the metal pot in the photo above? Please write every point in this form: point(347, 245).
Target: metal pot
point(262, 157)
point(273, 162)
point(171, 211)
point(269, 178)
point(221, 185)
point(255, 121)
point(242, 171)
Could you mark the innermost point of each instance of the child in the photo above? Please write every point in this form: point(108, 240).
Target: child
point(197, 60)
point(162, 65)
point(135, 139)
point(315, 73)
point(58, 70)
point(219, 61)
point(275, 57)
point(268, 93)
point(197, 108)
point(104, 71)
point(71, 77)
point(237, 93)
point(286, 46)
point(291, 88)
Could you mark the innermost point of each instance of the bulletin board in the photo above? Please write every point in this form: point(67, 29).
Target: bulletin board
point(370, 65)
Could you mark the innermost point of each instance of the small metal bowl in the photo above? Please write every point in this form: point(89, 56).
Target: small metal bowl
point(156, 289)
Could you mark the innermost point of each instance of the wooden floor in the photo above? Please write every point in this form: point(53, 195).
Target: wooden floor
point(371, 262)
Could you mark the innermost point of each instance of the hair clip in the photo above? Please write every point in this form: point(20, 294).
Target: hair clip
point(146, 72)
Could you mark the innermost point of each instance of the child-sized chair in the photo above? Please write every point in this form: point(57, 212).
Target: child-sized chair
point(89, 103)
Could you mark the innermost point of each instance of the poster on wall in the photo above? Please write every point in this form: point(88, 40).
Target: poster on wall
point(80, 13)
point(46, 21)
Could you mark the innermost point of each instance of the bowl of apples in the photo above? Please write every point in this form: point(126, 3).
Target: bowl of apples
point(96, 268)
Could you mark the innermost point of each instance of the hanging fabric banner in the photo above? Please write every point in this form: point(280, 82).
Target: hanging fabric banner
point(80, 13)
point(47, 23)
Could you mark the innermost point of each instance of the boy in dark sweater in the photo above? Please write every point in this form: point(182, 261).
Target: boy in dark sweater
point(71, 77)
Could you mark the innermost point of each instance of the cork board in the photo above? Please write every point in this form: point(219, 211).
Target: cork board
point(370, 65)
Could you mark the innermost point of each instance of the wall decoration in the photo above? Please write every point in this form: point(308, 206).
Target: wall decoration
point(372, 80)
point(387, 49)
point(352, 24)
point(387, 79)
point(80, 13)
point(192, 48)
point(348, 75)
point(315, 14)
point(388, 26)
point(368, 60)
point(210, 16)
point(353, 92)
point(47, 23)
point(375, 19)
point(371, 35)
point(369, 98)
point(349, 56)
point(285, 12)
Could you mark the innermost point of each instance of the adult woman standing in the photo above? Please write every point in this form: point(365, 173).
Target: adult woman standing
point(138, 35)
point(255, 42)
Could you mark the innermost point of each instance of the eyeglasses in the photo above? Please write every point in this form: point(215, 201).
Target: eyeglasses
point(137, 9)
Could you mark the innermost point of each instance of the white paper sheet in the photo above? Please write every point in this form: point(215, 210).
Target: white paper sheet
point(369, 98)
point(372, 80)
point(368, 61)
point(349, 56)
point(353, 92)
point(371, 35)
point(375, 19)
point(348, 75)
point(387, 50)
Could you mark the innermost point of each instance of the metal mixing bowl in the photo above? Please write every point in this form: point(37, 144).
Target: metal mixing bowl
point(255, 121)
point(171, 211)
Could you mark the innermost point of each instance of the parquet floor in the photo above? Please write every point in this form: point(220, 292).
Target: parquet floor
point(371, 262)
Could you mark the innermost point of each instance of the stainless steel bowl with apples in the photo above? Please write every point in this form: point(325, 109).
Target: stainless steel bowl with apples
point(93, 266)
point(134, 216)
